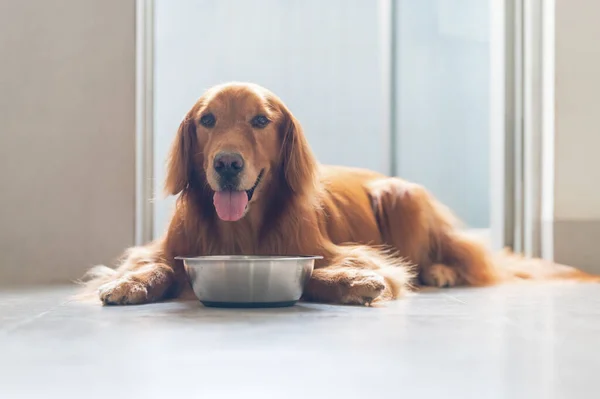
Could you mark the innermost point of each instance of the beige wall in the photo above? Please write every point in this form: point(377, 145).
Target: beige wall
point(577, 141)
point(577, 109)
point(67, 136)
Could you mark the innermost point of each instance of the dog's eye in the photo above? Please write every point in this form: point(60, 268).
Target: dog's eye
point(208, 120)
point(260, 121)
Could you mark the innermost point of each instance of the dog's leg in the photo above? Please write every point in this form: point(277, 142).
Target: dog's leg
point(144, 276)
point(144, 284)
point(359, 275)
point(470, 261)
point(426, 233)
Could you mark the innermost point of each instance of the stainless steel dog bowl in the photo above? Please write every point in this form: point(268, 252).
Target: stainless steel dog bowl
point(249, 281)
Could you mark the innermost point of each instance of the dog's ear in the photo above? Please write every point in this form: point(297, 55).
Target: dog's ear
point(298, 164)
point(180, 162)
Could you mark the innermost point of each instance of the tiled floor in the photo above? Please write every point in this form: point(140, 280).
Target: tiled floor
point(522, 341)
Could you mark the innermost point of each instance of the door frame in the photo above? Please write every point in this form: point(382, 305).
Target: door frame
point(505, 106)
point(144, 121)
point(522, 126)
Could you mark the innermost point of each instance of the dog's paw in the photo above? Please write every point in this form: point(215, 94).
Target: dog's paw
point(439, 275)
point(364, 289)
point(123, 291)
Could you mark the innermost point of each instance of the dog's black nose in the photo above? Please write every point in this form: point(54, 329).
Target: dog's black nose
point(228, 164)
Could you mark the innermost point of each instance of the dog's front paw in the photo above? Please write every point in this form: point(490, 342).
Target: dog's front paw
point(123, 291)
point(363, 289)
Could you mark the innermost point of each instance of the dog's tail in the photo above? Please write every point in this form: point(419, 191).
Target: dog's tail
point(513, 267)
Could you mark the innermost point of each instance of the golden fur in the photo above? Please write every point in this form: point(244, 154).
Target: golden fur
point(378, 235)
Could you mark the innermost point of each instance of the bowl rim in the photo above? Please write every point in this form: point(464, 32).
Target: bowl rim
point(247, 258)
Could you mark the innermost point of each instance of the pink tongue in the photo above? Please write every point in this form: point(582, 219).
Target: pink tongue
point(230, 205)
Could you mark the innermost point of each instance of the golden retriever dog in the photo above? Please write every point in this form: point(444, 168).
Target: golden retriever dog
point(248, 183)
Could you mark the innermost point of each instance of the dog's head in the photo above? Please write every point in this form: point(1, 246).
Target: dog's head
point(237, 140)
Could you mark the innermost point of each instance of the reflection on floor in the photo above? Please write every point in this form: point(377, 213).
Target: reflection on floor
point(521, 341)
